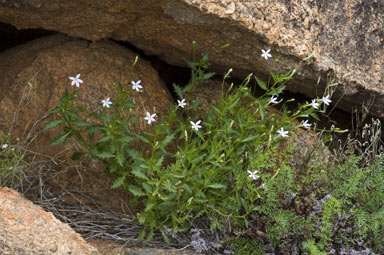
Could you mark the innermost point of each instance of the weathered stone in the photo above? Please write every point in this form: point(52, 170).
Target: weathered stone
point(345, 37)
point(28, 229)
point(35, 75)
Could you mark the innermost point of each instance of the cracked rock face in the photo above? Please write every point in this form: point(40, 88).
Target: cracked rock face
point(345, 36)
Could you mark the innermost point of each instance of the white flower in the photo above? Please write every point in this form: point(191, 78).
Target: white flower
point(253, 175)
point(76, 80)
point(306, 124)
point(150, 118)
point(314, 104)
point(136, 85)
point(273, 100)
point(182, 103)
point(262, 186)
point(326, 100)
point(265, 54)
point(282, 132)
point(196, 125)
point(4, 146)
point(106, 102)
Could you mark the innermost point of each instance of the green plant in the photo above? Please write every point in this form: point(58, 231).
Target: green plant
point(311, 248)
point(246, 246)
point(360, 192)
point(11, 161)
point(230, 165)
point(233, 171)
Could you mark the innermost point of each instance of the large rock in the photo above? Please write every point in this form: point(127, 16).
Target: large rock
point(33, 77)
point(345, 37)
point(28, 229)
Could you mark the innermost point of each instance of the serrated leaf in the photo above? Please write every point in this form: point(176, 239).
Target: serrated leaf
point(52, 124)
point(142, 138)
point(55, 110)
point(261, 83)
point(103, 155)
point(189, 63)
point(216, 186)
point(136, 191)
point(92, 131)
point(178, 90)
point(166, 238)
point(149, 206)
point(159, 162)
point(133, 154)
point(139, 174)
point(81, 123)
point(59, 139)
point(188, 88)
point(120, 159)
point(118, 182)
point(127, 139)
point(104, 138)
point(147, 187)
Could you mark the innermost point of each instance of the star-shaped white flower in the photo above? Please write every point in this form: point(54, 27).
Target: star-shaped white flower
point(76, 80)
point(265, 54)
point(196, 125)
point(306, 124)
point(326, 100)
point(282, 132)
point(273, 100)
point(181, 103)
point(136, 85)
point(106, 102)
point(4, 146)
point(150, 118)
point(253, 175)
point(314, 104)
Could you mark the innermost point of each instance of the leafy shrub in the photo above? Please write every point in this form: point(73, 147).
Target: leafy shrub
point(231, 166)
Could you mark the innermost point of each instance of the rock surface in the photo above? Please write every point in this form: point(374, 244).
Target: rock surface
point(35, 75)
point(27, 229)
point(345, 37)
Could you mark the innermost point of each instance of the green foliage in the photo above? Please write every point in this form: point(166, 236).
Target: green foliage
point(360, 191)
point(236, 172)
point(246, 246)
point(310, 248)
point(354, 210)
point(11, 161)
